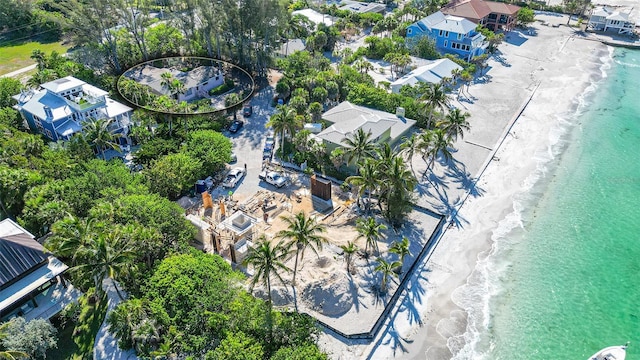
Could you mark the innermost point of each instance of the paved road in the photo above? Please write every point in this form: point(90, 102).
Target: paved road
point(248, 144)
point(19, 71)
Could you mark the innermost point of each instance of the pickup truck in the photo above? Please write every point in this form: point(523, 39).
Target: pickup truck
point(273, 178)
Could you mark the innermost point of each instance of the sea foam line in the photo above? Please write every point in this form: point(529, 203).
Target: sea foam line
point(484, 282)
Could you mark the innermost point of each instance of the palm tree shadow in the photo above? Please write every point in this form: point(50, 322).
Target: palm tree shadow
point(449, 209)
point(461, 176)
point(396, 341)
point(414, 296)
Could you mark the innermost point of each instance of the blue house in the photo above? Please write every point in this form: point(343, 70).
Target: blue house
point(452, 34)
point(60, 107)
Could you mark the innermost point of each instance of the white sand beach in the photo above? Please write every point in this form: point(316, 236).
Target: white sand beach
point(548, 65)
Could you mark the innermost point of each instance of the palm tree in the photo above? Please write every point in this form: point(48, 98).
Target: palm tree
point(108, 256)
point(303, 232)
point(435, 98)
point(283, 121)
point(455, 123)
point(349, 249)
point(366, 181)
point(409, 147)
point(267, 262)
point(72, 234)
point(97, 133)
point(166, 80)
point(358, 146)
point(571, 7)
point(10, 354)
point(440, 146)
point(371, 231)
point(466, 79)
point(398, 184)
point(387, 270)
point(401, 248)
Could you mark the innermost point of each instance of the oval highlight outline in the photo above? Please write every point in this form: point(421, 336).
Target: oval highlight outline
point(250, 93)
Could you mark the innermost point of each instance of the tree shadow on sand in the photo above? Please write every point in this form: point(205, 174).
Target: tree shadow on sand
point(459, 175)
point(499, 58)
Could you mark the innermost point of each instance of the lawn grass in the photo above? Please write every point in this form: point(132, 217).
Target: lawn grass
point(17, 56)
point(75, 341)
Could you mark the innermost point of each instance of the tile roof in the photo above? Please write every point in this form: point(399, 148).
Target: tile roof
point(476, 10)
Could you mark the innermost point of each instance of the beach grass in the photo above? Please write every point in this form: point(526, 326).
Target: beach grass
point(15, 56)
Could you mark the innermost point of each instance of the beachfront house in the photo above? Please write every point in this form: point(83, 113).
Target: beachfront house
point(31, 280)
point(432, 73)
point(609, 19)
point(346, 118)
point(197, 82)
point(493, 15)
point(59, 108)
point(452, 35)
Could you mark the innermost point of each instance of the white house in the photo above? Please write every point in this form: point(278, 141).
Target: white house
point(430, 73)
point(363, 7)
point(347, 118)
point(60, 107)
point(604, 18)
point(31, 282)
point(315, 17)
point(290, 47)
point(197, 82)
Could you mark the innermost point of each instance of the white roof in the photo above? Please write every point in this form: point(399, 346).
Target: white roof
point(315, 16)
point(440, 21)
point(610, 13)
point(63, 84)
point(347, 118)
point(362, 7)
point(8, 227)
point(431, 73)
point(115, 108)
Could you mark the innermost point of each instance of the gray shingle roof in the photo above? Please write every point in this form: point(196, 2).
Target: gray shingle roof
point(347, 118)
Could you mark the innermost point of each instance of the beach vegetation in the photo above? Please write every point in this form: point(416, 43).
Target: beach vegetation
point(371, 231)
point(267, 261)
point(455, 123)
point(302, 232)
point(571, 8)
point(387, 272)
point(284, 122)
point(423, 47)
point(400, 248)
point(349, 250)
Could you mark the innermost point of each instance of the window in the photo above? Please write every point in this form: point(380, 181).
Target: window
point(446, 43)
point(446, 34)
point(459, 36)
point(440, 33)
point(205, 83)
point(408, 31)
point(48, 132)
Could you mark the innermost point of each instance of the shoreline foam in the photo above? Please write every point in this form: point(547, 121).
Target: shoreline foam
point(553, 55)
point(524, 203)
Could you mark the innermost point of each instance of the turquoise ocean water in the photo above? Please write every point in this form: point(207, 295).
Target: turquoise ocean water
point(567, 283)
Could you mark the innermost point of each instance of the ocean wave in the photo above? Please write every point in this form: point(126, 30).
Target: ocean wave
point(485, 282)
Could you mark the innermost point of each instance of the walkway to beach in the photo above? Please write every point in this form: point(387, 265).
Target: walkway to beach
point(106, 345)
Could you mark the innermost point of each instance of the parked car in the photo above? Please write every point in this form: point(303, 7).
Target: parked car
point(247, 110)
point(235, 126)
point(273, 178)
point(266, 154)
point(233, 177)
